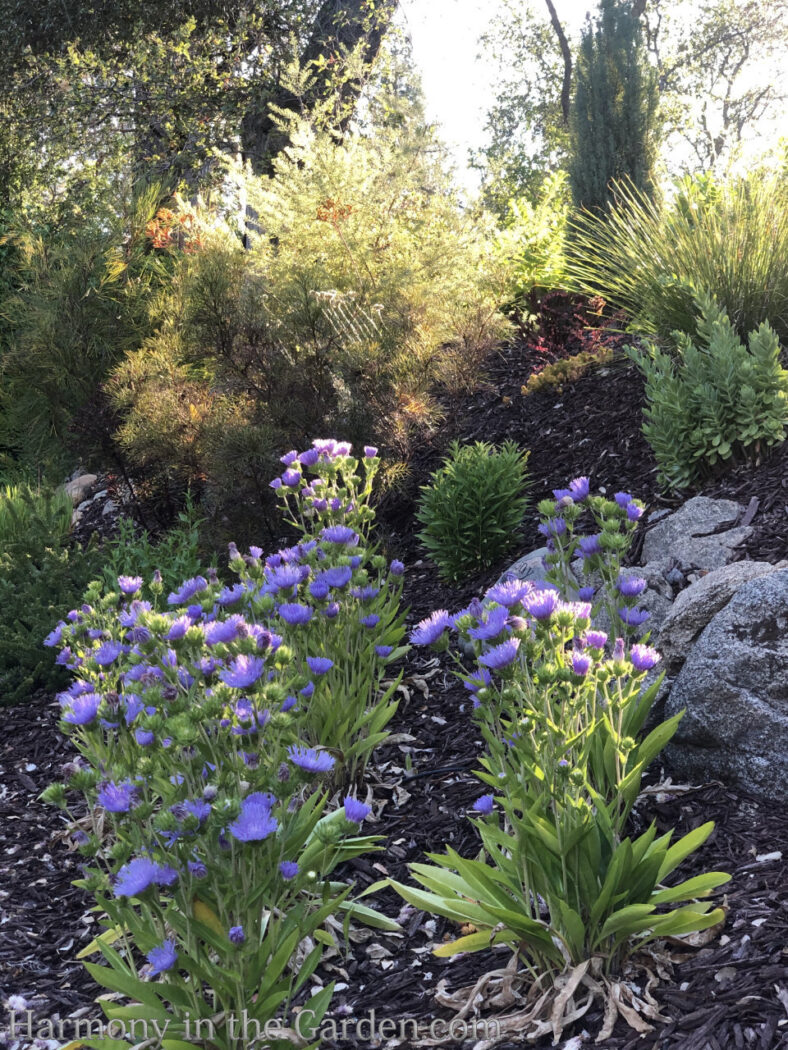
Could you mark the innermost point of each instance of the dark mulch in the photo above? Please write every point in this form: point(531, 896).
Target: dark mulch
point(731, 993)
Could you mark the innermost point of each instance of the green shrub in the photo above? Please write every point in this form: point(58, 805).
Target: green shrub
point(33, 518)
point(650, 259)
point(532, 243)
point(369, 284)
point(36, 587)
point(473, 507)
point(716, 400)
point(133, 553)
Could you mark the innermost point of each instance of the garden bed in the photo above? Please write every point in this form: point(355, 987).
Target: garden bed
point(731, 993)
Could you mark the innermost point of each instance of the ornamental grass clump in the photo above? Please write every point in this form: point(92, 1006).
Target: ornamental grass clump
point(561, 709)
point(211, 838)
point(473, 507)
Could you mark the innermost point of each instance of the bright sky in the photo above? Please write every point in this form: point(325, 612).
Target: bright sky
point(457, 86)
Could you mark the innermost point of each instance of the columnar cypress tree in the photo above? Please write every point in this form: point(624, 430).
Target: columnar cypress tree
point(614, 113)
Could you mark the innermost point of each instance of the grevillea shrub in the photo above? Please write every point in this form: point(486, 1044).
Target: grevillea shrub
point(561, 714)
point(210, 840)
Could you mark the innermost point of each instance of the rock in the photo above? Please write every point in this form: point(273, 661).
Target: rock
point(110, 507)
point(695, 607)
point(529, 567)
point(734, 686)
point(79, 488)
point(102, 495)
point(695, 534)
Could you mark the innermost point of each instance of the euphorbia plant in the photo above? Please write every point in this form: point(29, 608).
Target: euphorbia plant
point(561, 713)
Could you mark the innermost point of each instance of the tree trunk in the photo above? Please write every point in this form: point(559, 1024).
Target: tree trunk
point(566, 52)
point(340, 27)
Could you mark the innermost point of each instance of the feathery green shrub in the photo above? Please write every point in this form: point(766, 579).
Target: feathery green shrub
point(715, 399)
point(473, 506)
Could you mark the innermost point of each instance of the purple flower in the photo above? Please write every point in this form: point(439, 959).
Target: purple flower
point(255, 822)
point(289, 458)
point(129, 584)
point(595, 639)
point(331, 610)
point(311, 760)
point(144, 737)
point(341, 535)
point(370, 621)
point(478, 681)
point(224, 631)
point(589, 546)
point(197, 808)
point(162, 958)
point(187, 590)
point(108, 653)
point(553, 527)
point(291, 478)
point(501, 655)
point(634, 512)
point(586, 594)
point(643, 657)
point(618, 650)
point(428, 631)
point(275, 484)
point(579, 488)
point(581, 663)
point(309, 458)
point(140, 874)
point(319, 590)
point(82, 710)
point(509, 593)
point(622, 499)
point(288, 869)
point(295, 614)
point(541, 604)
point(365, 594)
point(308, 689)
point(319, 664)
point(633, 617)
point(285, 577)
point(117, 798)
point(197, 869)
point(384, 650)
point(236, 935)
point(231, 595)
point(243, 671)
point(338, 577)
point(484, 805)
point(492, 625)
point(55, 637)
point(396, 568)
point(370, 451)
point(179, 628)
point(288, 703)
point(356, 811)
point(631, 586)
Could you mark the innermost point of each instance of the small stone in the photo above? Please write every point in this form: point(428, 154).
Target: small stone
point(79, 488)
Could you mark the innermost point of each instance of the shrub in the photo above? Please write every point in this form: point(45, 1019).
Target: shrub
point(175, 555)
point(558, 879)
point(473, 507)
point(532, 242)
point(364, 285)
point(32, 518)
point(83, 296)
point(211, 845)
point(715, 400)
point(651, 259)
point(36, 584)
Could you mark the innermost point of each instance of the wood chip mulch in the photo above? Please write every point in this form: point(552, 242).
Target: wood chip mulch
point(732, 993)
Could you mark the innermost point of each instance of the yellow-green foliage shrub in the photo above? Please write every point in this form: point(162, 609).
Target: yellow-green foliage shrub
point(361, 284)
